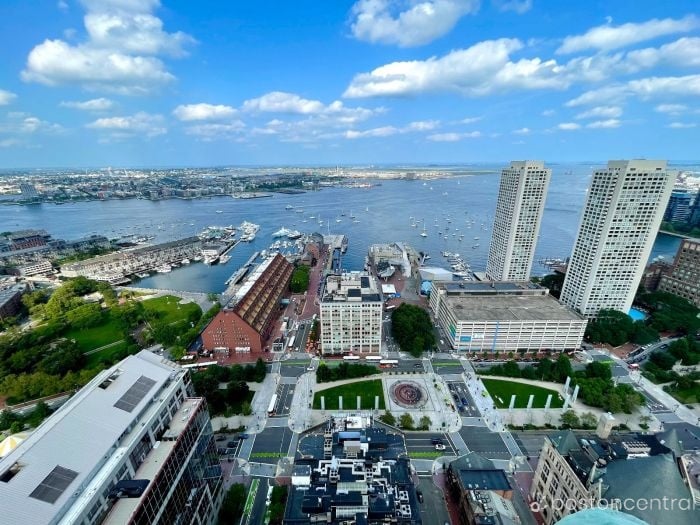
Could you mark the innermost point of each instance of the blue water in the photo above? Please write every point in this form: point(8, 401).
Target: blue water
point(637, 315)
point(384, 213)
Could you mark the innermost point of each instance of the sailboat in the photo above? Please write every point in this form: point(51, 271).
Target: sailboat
point(423, 233)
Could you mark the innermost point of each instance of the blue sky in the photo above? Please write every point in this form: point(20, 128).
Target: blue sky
point(179, 82)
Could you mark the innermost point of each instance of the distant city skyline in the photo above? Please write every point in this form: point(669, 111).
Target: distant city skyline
point(168, 83)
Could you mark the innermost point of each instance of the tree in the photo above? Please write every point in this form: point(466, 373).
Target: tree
point(232, 506)
point(424, 423)
point(562, 368)
point(588, 420)
point(388, 418)
point(406, 421)
point(511, 369)
point(246, 409)
point(278, 499)
point(412, 329)
point(569, 419)
point(598, 369)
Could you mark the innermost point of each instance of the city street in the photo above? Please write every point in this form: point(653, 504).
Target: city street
point(271, 444)
point(422, 442)
point(482, 441)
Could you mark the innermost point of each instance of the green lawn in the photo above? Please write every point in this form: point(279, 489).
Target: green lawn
point(103, 334)
point(502, 390)
point(93, 360)
point(367, 390)
point(169, 308)
point(687, 396)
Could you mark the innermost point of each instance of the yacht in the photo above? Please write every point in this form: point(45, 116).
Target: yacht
point(164, 268)
point(423, 233)
point(289, 207)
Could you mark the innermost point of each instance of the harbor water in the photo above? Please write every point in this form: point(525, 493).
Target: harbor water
point(391, 210)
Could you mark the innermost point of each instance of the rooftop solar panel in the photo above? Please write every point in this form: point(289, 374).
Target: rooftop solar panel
point(53, 485)
point(135, 394)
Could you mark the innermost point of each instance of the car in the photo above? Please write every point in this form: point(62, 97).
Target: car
point(419, 495)
point(232, 444)
point(310, 369)
point(436, 441)
point(243, 436)
point(464, 400)
point(418, 365)
point(440, 446)
point(220, 437)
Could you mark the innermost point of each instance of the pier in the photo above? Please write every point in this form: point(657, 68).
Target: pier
point(236, 277)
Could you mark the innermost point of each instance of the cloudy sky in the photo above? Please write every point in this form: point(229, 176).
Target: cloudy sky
point(208, 82)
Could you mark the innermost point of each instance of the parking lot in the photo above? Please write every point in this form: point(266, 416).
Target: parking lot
point(482, 441)
point(463, 399)
point(285, 394)
point(271, 444)
point(421, 443)
point(223, 444)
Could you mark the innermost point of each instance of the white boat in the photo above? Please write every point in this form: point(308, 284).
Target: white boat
point(289, 207)
point(185, 261)
point(338, 219)
point(423, 233)
point(219, 211)
point(164, 268)
point(282, 232)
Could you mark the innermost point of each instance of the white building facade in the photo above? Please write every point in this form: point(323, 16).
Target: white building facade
point(620, 220)
point(521, 197)
point(351, 315)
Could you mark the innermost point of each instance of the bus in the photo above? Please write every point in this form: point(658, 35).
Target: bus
point(199, 366)
point(390, 307)
point(271, 407)
point(351, 358)
point(290, 342)
point(373, 358)
point(388, 363)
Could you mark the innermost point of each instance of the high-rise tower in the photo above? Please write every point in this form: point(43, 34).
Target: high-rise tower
point(521, 197)
point(620, 220)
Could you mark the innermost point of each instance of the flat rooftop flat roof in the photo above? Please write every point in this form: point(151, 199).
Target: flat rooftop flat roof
point(488, 286)
point(510, 308)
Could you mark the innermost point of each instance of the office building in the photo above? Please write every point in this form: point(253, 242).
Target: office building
point(351, 314)
point(11, 299)
point(360, 475)
point(619, 223)
point(521, 196)
point(28, 191)
point(504, 317)
point(683, 279)
point(244, 325)
point(678, 207)
point(626, 473)
point(131, 447)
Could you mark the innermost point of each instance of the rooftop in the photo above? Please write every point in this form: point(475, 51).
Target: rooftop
point(510, 308)
point(83, 436)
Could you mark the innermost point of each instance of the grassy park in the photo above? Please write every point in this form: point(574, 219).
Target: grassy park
point(367, 390)
point(169, 310)
point(502, 390)
point(108, 331)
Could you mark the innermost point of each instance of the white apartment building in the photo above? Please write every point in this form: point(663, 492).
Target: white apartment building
point(620, 220)
point(131, 447)
point(521, 198)
point(351, 315)
point(504, 317)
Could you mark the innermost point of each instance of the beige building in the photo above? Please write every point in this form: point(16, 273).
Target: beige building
point(684, 278)
point(351, 314)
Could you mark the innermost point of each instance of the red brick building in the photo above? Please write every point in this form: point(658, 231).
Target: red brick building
point(244, 327)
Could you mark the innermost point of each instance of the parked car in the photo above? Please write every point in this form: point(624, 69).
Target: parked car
point(232, 444)
point(220, 437)
point(439, 446)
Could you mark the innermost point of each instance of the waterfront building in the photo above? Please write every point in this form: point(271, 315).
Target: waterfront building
point(361, 474)
point(245, 323)
point(351, 314)
point(653, 273)
point(683, 279)
point(678, 207)
point(576, 472)
point(28, 191)
point(23, 239)
point(41, 267)
point(504, 317)
point(521, 196)
point(133, 446)
point(620, 220)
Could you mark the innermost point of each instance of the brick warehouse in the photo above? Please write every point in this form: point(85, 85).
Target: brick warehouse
point(243, 327)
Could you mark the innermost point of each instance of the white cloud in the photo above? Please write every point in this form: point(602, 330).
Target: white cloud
point(522, 131)
point(601, 112)
point(684, 52)
point(604, 124)
point(517, 6)
point(407, 24)
point(141, 124)
point(203, 111)
point(62, 5)
point(479, 70)
point(644, 88)
point(8, 143)
point(211, 131)
point(548, 113)
point(24, 124)
point(282, 102)
point(681, 125)
point(470, 120)
point(424, 125)
point(671, 109)
point(453, 137)
point(569, 126)
point(120, 54)
point(6, 97)
point(607, 37)
point(95, 104)
point(383, 131)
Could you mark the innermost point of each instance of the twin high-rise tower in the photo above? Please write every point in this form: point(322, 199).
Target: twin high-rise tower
point(620, 220)
point(521, 197)
point(619, 223)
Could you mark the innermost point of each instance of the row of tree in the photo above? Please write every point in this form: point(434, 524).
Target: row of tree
point(406, 421)
point(617, 328)
point(235, 396)
point(344, 370)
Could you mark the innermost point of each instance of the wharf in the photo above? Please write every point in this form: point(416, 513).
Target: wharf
point(232, 281)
